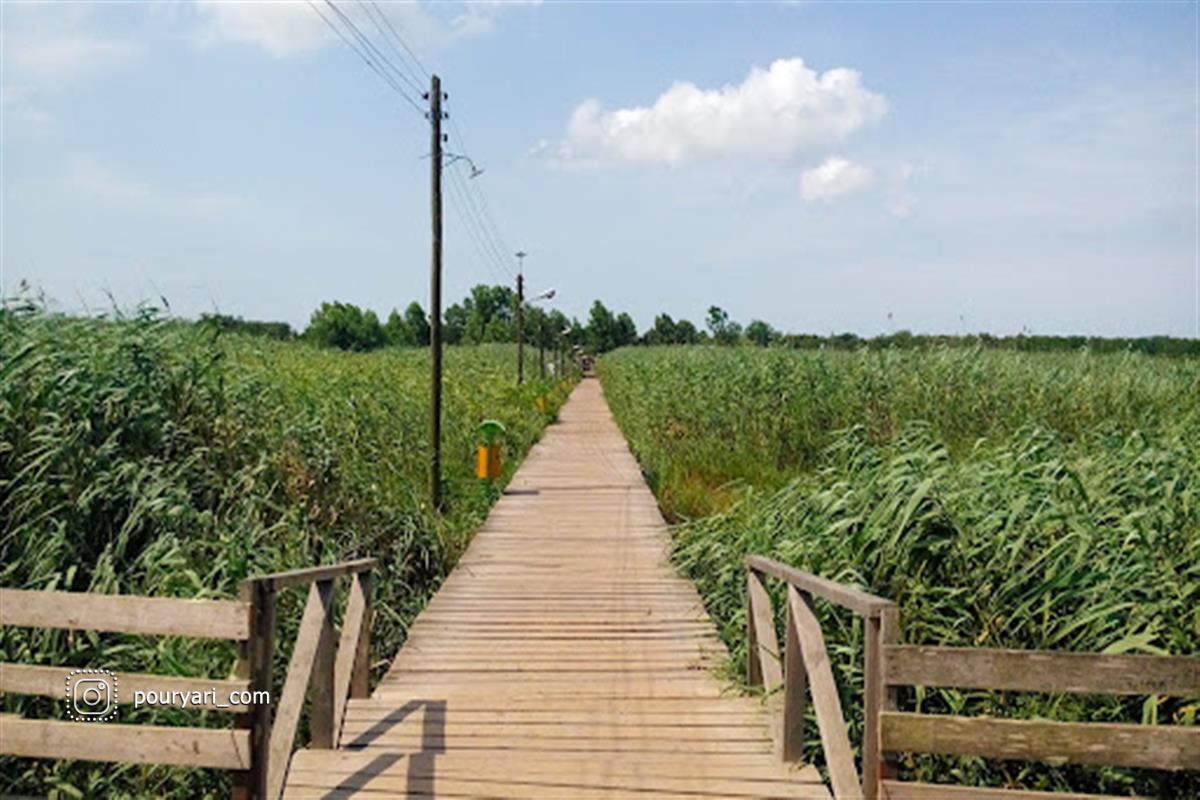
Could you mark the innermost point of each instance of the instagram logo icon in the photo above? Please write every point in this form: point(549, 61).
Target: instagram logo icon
point(91, 695)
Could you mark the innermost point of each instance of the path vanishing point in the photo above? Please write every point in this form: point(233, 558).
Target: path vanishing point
point(562, 658)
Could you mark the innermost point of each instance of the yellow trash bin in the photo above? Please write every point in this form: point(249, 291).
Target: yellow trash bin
point(488, 467)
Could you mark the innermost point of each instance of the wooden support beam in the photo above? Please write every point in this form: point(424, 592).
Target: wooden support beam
point(297, 577)
point(795, 687)
point(51, 682)
point(835, 740)
point(860, 602)
point(120, 613)
point(897, 790)
point(299, 674)
point(1111, 744)
point(1042, 671)
point(764, 643)
point(131, 744)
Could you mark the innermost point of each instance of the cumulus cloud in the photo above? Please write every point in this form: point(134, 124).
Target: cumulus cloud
point(835, 176)
point(282, 29)
point(774, 113)
point(287, 29)
point(49, 44)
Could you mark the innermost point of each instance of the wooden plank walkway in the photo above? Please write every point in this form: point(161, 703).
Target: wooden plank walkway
point(563, 657)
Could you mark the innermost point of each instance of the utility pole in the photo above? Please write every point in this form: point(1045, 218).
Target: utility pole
point(435, 293)
point(521, 316)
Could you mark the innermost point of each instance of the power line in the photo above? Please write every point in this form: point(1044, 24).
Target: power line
point(399, 38)
point(411, 81)
point(474, 227)
point(487, 214)
point(366, 42)
point(470, 204)
point(485, 234)
point(363, 55)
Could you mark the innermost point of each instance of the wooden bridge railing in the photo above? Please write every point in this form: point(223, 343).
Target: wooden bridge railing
point(888, 665)
point(804, 664)
point(259, 746)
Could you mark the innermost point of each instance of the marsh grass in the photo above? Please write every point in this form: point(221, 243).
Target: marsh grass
point(1002, 499)
point(152, 457)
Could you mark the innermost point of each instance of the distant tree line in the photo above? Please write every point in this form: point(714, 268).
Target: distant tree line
point(228, 324)
point(488, 314)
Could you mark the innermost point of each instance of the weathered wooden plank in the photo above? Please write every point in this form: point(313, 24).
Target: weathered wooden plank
point(322, 688)
point(182, 692)
point(309, 641)
point(898, 790)
point(562, 658)
point(835, 740)
point(350, 654)
point(860, 602)
point(1042, 671)
point(131, 744)
point(151, 616)
point(795, 686)
point(1118, 745)
point(763, 651)
point(306, 575)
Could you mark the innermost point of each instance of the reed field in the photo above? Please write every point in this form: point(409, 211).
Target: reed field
point(1003, 499)
point(151, 457)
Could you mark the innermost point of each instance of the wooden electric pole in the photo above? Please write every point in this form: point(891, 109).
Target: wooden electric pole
point(435, 293)
point(520, 328)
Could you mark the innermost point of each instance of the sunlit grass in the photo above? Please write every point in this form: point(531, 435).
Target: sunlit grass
point(147, 457)
point(1002, 499)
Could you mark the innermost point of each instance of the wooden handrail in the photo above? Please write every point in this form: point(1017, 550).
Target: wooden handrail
point(1041, 671)
point(888, 664)
point(327, 667)
point(124, 613)
point(297, 577)
point(803, 667)
point(862, 603)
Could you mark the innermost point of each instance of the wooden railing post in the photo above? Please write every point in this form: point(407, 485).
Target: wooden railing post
point(351, 670)
point(764, 645)
point(753, 665)
point(795, 685)
point(321, 685)
point(360, 678)
point(876, 632)
point(255, 660)
point(831, 722)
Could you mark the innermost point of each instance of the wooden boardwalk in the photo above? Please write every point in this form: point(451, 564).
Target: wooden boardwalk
point(563, 657)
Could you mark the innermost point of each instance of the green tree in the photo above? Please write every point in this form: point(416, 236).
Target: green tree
point(345, 326)
point(686, 333)
point(624, 331)
point(662, 332)
point(761, 333)
point(417, 323)
point(454, 324)
point(601, 328)
point(396, 331)
point(723, 329)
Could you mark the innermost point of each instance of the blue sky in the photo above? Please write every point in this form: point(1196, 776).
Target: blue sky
point(825, 167)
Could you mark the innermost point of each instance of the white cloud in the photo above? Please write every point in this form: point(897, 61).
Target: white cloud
point(774, 113)
point(292, 28)
point(282, 29)
point(47, 43)
point(834, 177)
point(86, 174)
